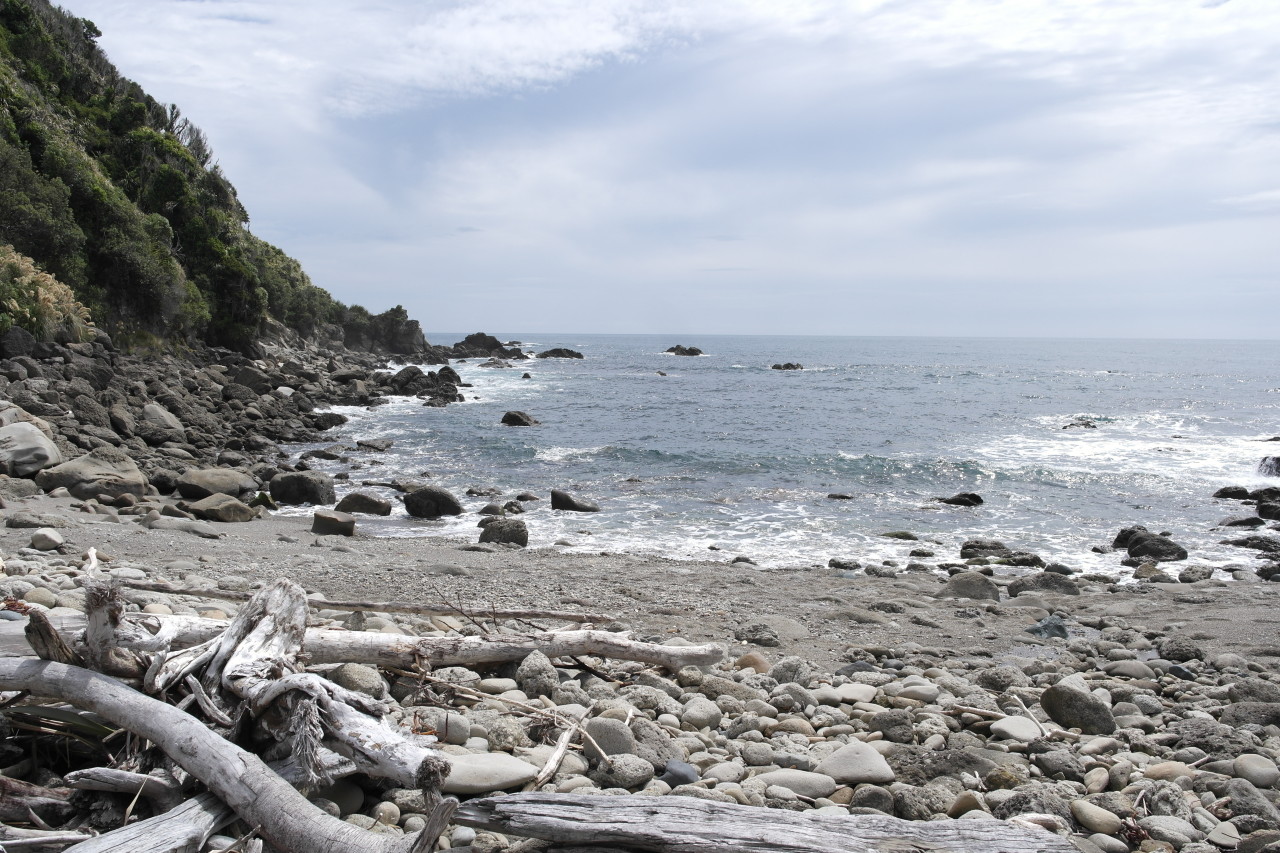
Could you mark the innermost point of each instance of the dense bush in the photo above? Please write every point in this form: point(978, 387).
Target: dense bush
point(38, 302)
point(118, 197)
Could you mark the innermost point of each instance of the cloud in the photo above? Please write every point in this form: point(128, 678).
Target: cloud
point(592, 165)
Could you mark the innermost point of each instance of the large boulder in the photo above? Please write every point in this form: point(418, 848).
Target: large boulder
point(1269, 466)
point(200, 483)
point(1142, 544)
point(222, 507)
point(681, 349)
point(24, 450)
point(519, 419)
point(367, 504)
point(159, 425)
point(104, 471)
point(1075, 708)
point(328, 522)
point(431, 502)
point(973, 585)
point(504, 531)
point(303, 487)
point(1044, 582)
point(560, 352)
point(572, 503)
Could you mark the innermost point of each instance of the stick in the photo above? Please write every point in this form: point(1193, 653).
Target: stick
point(238, 778)
point(687, 825)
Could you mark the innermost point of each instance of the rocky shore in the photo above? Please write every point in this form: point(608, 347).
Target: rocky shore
point(1139, 716)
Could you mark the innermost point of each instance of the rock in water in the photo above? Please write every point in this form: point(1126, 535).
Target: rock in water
point(564, 500)
point(1143, 544)
point(303, 487)
point(1269, 466)
point(431, 502)
point(560, 352)
point(519, 419)
point(681, 349)
point(367, 504)
point(962, 499)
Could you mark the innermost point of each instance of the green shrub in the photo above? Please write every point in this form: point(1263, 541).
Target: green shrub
point(38, 302)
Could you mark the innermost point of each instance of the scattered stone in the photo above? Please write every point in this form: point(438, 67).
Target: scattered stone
point(431, 502)
point(330, 522)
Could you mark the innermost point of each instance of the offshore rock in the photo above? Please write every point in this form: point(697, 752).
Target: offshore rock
point(523, 419)
point(560, 352)
point(431, 502)
point(566, 501)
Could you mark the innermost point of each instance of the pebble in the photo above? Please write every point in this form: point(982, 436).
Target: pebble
point(1258, 769)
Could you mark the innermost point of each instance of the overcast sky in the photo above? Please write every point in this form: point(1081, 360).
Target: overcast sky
point(969, 167)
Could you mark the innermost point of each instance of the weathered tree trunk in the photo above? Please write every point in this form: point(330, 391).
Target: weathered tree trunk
point(377, 649)
point(17, 797)
point(165, 792)
point(687, 825)
point(183, 829)
point(240, 779)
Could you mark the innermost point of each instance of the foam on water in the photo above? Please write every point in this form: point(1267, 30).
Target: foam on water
point(726, 452)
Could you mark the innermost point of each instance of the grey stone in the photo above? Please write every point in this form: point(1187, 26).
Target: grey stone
point(802, 782)
point(330, 522)
point(536, 676)
point(1075, 708)
point(302, 487)
point(431, 502)
point(25, 449)
point(970, 585)
point(622, 771)
point(47, 539)
point(563, 500)
point(480, 773)
point(856, 763)
point(201, 483)
point(103, 471)
point(361, 678)
point(610, 736)
point(506, 531)
point(222, 507)
point(363, 503)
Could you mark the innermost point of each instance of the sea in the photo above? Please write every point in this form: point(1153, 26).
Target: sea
point(717, 456)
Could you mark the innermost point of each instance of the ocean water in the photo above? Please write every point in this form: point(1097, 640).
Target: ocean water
point(724, 453)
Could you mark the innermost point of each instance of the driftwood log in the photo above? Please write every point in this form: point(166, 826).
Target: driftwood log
point(149, 632)
point(688, 825)
point(240, 779)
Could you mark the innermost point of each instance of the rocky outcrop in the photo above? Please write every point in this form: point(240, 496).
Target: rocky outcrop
point(962, 499)
point(1143, 544)
point(681, 349)
point(481, 345)
point(790, 365)
point(519, 419)
point(1269, 466)
point(560, 352)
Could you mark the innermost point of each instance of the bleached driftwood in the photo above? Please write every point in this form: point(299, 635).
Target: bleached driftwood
point(255, 661)
point(14, 838)
point(688, 825)
point(411, 607)
point(164, 791)
point(238, 778)
point(17, 798)
point(151, 632)
point(179, 830)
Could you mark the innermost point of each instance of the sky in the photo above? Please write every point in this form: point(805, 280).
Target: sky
point(1100, 168)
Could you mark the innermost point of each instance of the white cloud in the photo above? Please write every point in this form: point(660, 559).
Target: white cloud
point(582, 151)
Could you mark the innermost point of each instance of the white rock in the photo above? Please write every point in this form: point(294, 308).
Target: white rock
point(47, 539)
point(1015, 728)
point(481, 773)
point(853, 692)
point(802, 782)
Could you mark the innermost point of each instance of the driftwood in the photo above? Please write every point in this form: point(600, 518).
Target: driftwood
point(165, 792)
point(383, 606)
point(17, 798)
point(150, 632)
point(13, 838)
point(183, 829)
point(236, 777)
point(688, 825)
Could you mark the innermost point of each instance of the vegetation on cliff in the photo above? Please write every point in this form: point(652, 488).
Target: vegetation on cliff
point(118, 197)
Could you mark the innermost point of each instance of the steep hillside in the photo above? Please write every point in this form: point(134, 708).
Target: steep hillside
point(118, 196)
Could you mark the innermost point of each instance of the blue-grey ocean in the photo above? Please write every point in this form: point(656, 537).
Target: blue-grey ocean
point(724, 452)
